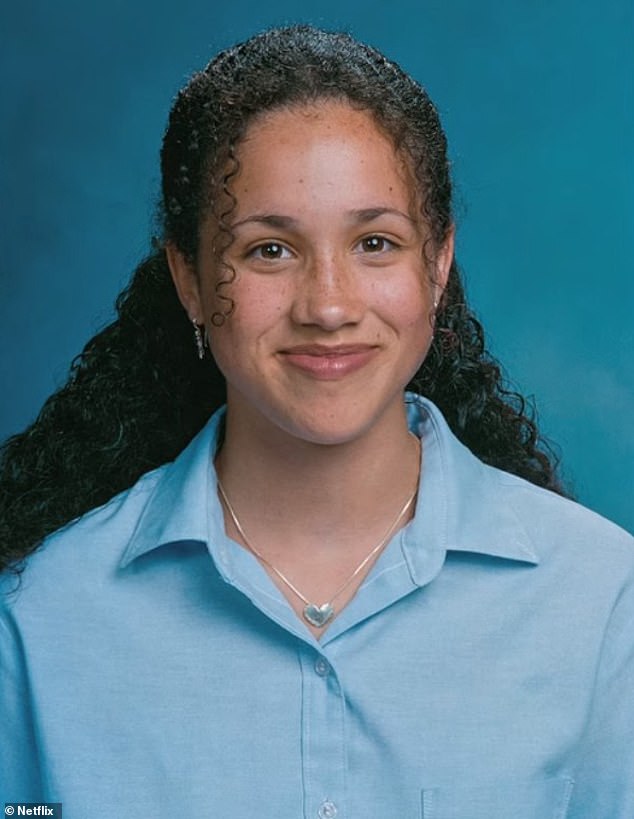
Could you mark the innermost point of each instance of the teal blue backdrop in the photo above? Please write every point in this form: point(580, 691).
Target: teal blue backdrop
point(537, 99)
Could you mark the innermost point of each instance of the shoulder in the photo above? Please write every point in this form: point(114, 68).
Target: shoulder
point(555, 523)
point(168, 505)
point(114, 521)
point(493, 510)
point(89, 545)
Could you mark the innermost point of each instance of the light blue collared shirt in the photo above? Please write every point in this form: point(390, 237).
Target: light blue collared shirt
point(484, 669)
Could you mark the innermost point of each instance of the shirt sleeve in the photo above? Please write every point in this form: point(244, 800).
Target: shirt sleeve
point(20, 776)
point(604, 779)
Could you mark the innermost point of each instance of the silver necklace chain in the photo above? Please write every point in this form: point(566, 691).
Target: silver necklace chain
point(316, 615)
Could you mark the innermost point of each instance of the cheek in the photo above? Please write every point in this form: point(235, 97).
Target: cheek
point(236, 344)
point(258, 302)
point(407, 309)
point(410, 317)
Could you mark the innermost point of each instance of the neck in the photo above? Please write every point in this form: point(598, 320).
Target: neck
point(317, 497)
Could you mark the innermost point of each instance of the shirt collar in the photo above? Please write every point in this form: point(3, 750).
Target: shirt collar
point(461, 504)
point(179, 506)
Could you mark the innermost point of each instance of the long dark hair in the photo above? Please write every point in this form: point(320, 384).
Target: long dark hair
point(138, 393)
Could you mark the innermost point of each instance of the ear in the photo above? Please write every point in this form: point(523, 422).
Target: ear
point(444, 258)
point(186, 282)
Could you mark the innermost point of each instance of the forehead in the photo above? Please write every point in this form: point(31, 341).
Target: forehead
point(325, 150)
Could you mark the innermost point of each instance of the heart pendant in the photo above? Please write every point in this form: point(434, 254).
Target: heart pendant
point(318, 616)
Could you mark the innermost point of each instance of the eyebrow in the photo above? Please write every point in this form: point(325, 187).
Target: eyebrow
point(369, 214)
point(275, 220)
point(281, 222)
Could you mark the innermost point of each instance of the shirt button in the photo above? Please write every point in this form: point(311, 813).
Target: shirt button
point(328, 810)
point(322, 667)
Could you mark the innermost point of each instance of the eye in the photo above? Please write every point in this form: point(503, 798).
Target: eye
point(270, 251)
point(376, 244)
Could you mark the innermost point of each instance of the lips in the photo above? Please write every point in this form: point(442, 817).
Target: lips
point(329, 362)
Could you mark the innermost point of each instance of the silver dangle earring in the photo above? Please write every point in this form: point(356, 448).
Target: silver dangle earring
point(200, 344)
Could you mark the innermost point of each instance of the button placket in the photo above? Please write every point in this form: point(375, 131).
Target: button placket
point(324, 757)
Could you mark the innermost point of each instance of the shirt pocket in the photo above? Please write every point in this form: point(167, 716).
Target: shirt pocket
point(537, 799)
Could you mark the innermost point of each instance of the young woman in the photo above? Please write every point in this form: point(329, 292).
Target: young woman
point(331, 572)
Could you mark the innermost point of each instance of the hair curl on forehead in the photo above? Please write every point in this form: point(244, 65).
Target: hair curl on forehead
point(281, 68)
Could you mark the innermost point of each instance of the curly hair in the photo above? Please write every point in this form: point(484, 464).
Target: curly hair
point(137, 393)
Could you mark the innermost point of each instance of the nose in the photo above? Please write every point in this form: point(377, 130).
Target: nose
point(329, 294)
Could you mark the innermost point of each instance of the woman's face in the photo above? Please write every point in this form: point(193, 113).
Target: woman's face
point(333, 298)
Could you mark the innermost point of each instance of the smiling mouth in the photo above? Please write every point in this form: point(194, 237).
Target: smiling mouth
point(329, 363)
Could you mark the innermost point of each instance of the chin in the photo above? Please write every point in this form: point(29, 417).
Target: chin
point(330, 438)
point(330, 428)
point(330, 416)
